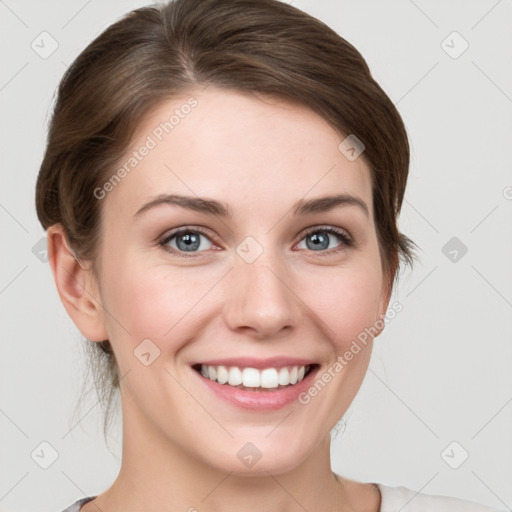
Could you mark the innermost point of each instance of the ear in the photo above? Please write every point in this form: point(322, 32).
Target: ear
point(76, 285)
point(383, 304)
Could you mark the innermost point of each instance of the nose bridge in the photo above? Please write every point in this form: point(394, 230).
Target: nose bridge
point(260, 293)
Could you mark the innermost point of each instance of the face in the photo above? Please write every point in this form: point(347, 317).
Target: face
point(274, 282)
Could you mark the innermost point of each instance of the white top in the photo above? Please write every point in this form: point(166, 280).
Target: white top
point(393, 499)
point(402, 499)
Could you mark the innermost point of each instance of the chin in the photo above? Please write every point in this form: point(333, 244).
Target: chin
point(259, 457)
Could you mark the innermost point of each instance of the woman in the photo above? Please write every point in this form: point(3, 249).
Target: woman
point(220, 191)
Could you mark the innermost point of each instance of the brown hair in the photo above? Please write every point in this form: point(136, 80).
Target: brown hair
point(154, 53)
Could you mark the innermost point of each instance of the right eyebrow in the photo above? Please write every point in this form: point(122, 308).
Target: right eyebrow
point(198, 204)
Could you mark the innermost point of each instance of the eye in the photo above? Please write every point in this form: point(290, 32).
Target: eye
point(185, 240)
point(188, 240)
point(318, 239)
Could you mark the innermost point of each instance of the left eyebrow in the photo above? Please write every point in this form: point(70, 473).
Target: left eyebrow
point(327, 203)
point(213, 207)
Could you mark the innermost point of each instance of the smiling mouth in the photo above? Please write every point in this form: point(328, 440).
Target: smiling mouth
point(253, 379)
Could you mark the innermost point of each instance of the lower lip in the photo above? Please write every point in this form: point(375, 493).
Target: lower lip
point(260, 400)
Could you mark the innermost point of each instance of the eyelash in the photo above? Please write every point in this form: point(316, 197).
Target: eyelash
point(341, 235)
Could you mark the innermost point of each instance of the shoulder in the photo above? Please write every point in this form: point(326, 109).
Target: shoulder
point(407, 500)
point(75, 507)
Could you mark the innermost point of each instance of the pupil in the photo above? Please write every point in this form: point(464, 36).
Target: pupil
point(319, 240)
point(191, 242)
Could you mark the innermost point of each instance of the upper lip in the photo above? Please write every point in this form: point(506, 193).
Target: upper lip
point(251, 362)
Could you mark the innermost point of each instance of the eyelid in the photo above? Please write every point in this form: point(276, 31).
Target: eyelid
point(327, 228)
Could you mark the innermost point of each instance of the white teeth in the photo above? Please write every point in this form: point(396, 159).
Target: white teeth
point(254, 378)
point(269, 378)
point(251, 378)
point(222, 374)
point(284, 377)
point(235, 376)
point(293, 375)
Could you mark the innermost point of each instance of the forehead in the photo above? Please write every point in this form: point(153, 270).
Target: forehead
point(249, 152)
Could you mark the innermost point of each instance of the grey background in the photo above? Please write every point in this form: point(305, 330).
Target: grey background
point(440, 372)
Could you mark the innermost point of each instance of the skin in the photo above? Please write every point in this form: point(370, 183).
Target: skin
point(180, 443)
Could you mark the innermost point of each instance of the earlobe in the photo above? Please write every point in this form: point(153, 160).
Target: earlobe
point(76, 286)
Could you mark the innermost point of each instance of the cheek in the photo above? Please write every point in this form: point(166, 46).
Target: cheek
point(346, 303)
point(152, 303)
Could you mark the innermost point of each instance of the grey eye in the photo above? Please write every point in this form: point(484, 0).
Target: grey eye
point(187, 241)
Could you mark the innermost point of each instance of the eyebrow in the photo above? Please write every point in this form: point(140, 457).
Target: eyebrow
point(213, 207)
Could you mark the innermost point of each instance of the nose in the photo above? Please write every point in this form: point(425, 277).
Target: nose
point(260, 300)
